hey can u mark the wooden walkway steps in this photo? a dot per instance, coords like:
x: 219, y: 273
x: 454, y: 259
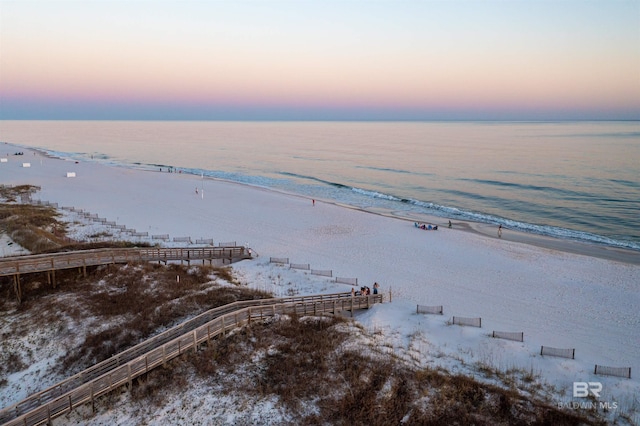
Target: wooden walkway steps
x: 49, y: 263
x: 42, y: 407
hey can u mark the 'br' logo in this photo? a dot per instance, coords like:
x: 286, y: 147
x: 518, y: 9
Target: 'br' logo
x: 582, y: 389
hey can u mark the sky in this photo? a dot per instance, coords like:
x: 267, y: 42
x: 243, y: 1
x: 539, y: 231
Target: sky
x: 312, y: 60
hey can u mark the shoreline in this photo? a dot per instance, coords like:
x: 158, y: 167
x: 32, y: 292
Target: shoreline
x: 483, y: 229
x: 486, y: 230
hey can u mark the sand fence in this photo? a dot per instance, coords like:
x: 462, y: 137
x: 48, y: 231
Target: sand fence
x: 433, y: 310
x: 467, y: 321
x: 307, y: 267
x: 563, y: 353
x: 613, y: 371
x: 132, y: 231
x: 569, y: 353
x: 515, y: 336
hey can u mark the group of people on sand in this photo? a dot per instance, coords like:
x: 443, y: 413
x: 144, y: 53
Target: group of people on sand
x: 426, y: 227
x: 365, y: 290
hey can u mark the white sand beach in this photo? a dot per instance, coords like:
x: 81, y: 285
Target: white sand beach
x: 560, y: 294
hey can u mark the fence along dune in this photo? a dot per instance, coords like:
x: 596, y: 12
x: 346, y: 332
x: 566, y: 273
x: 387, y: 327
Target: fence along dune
x: 436, y: 310
x: 613, y: 371
x: 473, y: 322
x: 343, y: 280
x: 517, y: 336
x: 303, y: 266
x: 564, y: 353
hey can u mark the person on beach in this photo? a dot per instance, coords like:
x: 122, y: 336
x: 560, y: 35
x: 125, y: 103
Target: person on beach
x: 196, y: 190
x: 313, y: 202
x: 449, y: 224
x: 375, y: 287
x: 499, y: 231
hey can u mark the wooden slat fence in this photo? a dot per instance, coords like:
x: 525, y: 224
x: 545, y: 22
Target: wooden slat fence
x: 613, y: 371
x: 41, y: 408
x: 304, y: 266
x: 517, y: 336
x: 227, y: 244
x: 473, y: 322
x: 322, y: 272
x: 564, y: 353
x: 204, y: 241
x: 438, y: 310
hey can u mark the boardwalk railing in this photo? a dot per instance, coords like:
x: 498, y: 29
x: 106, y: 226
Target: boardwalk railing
x: 119, y: 370
x: 77, y: 259
x: 17, y: 265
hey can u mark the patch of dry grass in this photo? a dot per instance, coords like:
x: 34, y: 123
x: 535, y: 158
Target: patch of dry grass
x: 299, y: 361
x: 10, y: 193
x: 121, y: 305
x: 35, y: 228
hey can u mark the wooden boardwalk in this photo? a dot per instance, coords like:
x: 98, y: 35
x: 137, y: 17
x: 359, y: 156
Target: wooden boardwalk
x: 121, y: 369
x: 50, y: 263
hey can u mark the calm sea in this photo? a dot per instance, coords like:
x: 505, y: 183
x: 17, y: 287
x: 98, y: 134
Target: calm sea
x: 575, y: 180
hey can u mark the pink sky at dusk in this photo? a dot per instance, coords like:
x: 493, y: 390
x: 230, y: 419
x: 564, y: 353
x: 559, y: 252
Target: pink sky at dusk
x: 302, y: 60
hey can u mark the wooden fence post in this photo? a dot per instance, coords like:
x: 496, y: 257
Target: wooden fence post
x: 16, y: 287
x: 93, y: 405
x: 53, y: 274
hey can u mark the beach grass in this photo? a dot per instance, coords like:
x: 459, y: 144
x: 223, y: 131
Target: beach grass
x: 305, y: 360
x: 36, y: 228
x: 126, y: 303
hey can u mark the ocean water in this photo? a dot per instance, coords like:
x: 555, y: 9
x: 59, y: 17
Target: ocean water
x: 573, y: 180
